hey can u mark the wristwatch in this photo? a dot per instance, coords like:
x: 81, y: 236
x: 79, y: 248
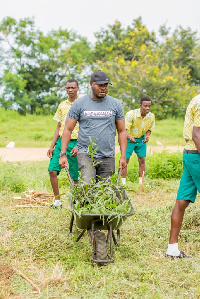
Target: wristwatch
x: 62, y: 154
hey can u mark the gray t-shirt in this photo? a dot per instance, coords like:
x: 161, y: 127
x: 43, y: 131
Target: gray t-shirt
x: 97, y: 120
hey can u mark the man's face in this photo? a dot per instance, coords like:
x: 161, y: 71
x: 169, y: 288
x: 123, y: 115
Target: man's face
x: 71, y: 89
x: 99, y: 90
x: 145, y: 107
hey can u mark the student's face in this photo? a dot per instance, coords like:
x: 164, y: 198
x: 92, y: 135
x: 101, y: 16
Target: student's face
x: 99, y: 90
x: 71, y: 89
x: 145, y: 107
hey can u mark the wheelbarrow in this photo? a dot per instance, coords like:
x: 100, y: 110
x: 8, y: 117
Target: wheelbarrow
x: 95, y: 225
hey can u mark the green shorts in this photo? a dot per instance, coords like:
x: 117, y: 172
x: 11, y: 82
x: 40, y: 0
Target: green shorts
x: 72, y: 161
x: 190, y: 179
x: 138, y: 147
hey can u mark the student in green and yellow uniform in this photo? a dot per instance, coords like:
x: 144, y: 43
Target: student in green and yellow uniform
x: 139, y: 125
x: 55, y: 148
x: 190, y: 179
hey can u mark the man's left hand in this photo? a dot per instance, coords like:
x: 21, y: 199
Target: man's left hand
x: 122, y: 163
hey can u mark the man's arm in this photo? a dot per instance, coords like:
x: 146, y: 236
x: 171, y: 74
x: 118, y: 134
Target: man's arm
x: 196, y: 137
x: 66, y: 136
x: 55, y: 138
x: 122, y: 139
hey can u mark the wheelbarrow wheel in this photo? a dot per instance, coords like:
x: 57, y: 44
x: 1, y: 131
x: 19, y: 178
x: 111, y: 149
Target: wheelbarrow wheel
x: 100, y: 246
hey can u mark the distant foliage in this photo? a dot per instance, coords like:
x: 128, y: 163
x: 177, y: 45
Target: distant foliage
x: 35, y: 66
x: 139, y: 64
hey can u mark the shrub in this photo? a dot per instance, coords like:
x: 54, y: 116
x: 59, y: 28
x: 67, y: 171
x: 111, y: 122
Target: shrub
x: 159, y: 165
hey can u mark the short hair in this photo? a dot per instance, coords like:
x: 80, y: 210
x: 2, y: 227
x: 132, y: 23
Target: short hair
x: 71, y: 81
x: 145, y: 99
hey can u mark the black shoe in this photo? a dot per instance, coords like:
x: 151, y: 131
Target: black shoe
x: 181, y: 255
x: 55, y: 207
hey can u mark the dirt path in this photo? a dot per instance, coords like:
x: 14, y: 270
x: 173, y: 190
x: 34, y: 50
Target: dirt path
x: 40, y: 154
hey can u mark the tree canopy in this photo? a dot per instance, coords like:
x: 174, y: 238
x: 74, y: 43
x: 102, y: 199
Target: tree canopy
x: 35, y: 66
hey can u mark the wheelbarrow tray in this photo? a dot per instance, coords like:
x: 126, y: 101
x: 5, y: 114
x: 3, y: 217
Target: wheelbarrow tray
x: 101, y: 221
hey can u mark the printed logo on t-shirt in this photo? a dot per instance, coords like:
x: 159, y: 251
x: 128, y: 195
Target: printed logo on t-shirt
x: 98, y: 113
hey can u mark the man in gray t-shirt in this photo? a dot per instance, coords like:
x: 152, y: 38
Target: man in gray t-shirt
x: 99, y: 115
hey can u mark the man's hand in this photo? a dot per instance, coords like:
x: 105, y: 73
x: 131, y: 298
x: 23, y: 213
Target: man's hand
x: 122, y: 162
x: 132, y: 139
x: 63, y: 161
x: 74, y: 152
x: 49, y: 152
x: 146, y: 139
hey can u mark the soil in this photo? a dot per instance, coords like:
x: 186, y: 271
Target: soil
x: 40, y: 154
x: 5, y: 272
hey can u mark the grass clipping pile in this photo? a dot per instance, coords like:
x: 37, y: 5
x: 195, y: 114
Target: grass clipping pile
x: 100, y: 198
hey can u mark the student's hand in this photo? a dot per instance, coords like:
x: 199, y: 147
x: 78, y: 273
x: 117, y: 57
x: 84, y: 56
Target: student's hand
x: 146, y: 139
x: 63, y: 161
x: 132, y: 139
x: 49, y: 152
x: 74, y: 152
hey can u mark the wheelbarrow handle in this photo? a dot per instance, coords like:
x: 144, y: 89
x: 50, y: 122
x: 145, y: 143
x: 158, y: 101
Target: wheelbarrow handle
x: 69, y: 176
x: 119, y: 174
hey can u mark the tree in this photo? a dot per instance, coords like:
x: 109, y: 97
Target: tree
x: 41, y: 62
x: 139, y: 64
x: 119, y: 41
x: 150, y: 75
x: 182, y: 48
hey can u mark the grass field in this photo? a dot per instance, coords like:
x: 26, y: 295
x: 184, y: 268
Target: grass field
x: 37, y: 242
x: 37, y: 130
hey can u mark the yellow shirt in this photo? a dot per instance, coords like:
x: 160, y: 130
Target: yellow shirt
x: 192, y: 119
x: 60, y: 116
x: 136, y: 125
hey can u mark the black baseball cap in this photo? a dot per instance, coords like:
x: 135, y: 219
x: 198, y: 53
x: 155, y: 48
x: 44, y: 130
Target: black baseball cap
x: 99, y: 77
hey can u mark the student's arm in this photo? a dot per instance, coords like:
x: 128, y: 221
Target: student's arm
x: 146, y: 139
x: 131, y: 138
x: 151, y: 128
x: 55, y: 138
x: 128, y: 123
x: 196, y: 137
x: 66, y: 136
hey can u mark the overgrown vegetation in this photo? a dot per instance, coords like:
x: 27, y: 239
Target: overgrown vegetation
x: 37, y: 242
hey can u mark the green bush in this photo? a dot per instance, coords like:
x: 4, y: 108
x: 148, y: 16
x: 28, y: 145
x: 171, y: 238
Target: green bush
x: 159, y: 165
x: 165, y: 165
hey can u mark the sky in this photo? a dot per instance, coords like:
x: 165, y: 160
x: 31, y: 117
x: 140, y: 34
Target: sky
x: 89, y: 16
